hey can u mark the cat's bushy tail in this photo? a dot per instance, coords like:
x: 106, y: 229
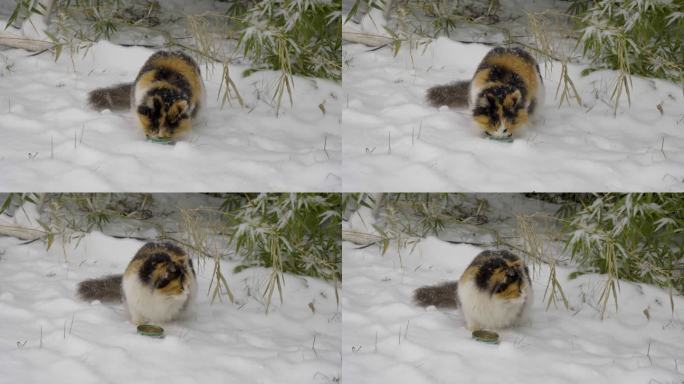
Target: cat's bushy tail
x: 117, y: 97
x: 107, y: 288
x: 441, y: 296
x: 453, y: 95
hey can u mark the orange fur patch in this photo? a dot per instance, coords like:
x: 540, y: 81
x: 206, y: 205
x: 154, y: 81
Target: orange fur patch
x: 480, y: 78
x: 527, y: 71
x: 160, y: 271
x: 184, y: 68
x: 173, y: 113
x: 173, y: 288
x: 499, y: 275
x: 511, y: 292
x: 521, y: 118
x: 470, y: 272
x: 512, y: 99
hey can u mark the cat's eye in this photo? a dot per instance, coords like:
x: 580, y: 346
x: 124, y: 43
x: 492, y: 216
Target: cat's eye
x: 513, y: 273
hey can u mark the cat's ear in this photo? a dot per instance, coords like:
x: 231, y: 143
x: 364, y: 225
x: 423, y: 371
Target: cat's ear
x: 512, y: 99
x: 516, y: 97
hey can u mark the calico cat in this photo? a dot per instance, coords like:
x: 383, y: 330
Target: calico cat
x: 165, y: 97
x: 503, y: 95
x: 157, y: 286
x: 494, y: 292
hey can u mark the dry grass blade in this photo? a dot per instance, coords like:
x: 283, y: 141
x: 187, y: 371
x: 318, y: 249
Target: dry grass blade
x: 567, y: 86
x: 611, y: 285
x: 535, y: 245
x: 194, y: 226
x: 275, y: 280
x: 231, y: 90
x: 548, y: 30
x: 285, y: 79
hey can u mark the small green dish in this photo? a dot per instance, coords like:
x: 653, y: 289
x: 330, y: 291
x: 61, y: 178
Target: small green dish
x: 160, y: 140
x: 151, y: 330
x: 486, y: 336
x: 508, y: 139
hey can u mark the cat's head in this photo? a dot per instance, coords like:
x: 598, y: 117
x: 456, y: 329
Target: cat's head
x: 502, y: 274
x: 166, y: 268
x: 164, y: 114
x: 510, y: 282
x: 499, y: 111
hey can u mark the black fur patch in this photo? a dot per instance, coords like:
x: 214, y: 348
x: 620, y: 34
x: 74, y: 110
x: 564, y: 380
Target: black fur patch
x: 177, y: 54
x: 505, y: 76
x: 173, y: 124
x: 512, y: 113
x: 512, y: 276
x: 496, y: 95
x: 500, y: 259
x: 171, y: 247
x: 151, y: 263
x: 174, y: 272
x: 168, y: 96
x: 148, y: 66
x: 486, y: 271
x: 489, y: 111
x: 174, y: 78
x: 512, y: 51
x: 502, y: 253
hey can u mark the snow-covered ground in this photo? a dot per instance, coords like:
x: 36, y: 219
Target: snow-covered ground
x: 387, y: 339
x: 49, y: 335
x: 50, y: 140
x: 393, y: 140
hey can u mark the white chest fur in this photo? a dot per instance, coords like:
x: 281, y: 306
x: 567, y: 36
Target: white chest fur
x: 147, y: 305
x: 483, y: 311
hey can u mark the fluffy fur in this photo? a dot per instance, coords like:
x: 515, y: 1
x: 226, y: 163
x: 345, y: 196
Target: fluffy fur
x: 503, y: 95
x: 441, y: 296
x: 494, y: 292
x: 157, y: 286
x: 165, y: 97
x: 117, y: 97
x: 106, y: 288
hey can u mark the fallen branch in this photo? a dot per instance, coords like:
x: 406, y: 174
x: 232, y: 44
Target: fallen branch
x: 364, y: 38
x: 16, y: 41
x: 360, y: 238
x: 22, y: 233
